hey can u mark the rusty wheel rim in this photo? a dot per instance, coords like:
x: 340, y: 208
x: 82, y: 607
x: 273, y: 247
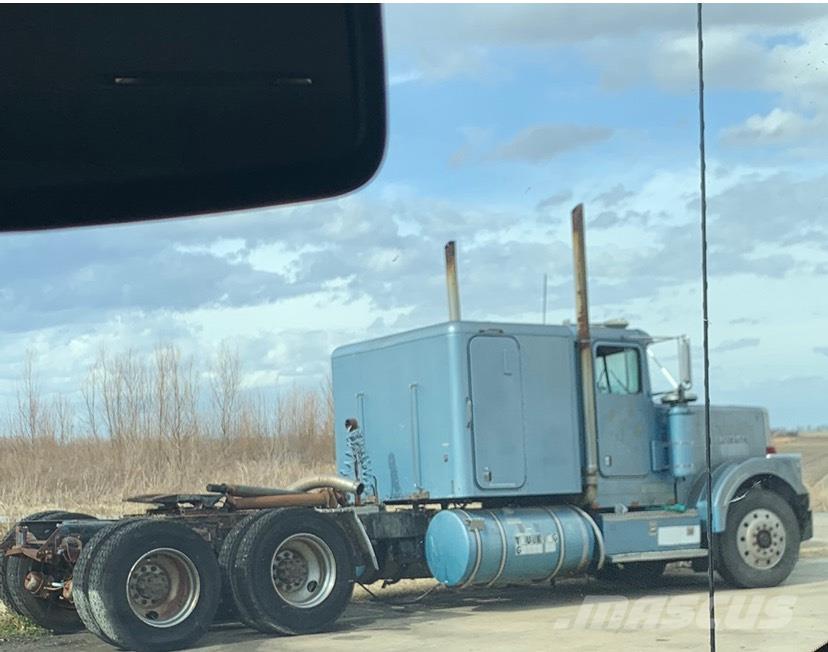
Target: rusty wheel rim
x: 163, y: 587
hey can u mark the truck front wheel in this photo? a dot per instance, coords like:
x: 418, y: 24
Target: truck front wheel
x: 760, y: 544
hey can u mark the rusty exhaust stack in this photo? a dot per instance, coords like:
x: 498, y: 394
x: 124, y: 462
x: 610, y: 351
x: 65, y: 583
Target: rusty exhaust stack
x: 451, y: 281
x: 324, y: 498
x: 585, y: 353
x: 247, y: 491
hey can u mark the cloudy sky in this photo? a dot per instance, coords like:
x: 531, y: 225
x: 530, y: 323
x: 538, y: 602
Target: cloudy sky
x: 501, y: 119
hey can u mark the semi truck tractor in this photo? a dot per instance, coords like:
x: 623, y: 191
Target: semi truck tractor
x: 475, y: 453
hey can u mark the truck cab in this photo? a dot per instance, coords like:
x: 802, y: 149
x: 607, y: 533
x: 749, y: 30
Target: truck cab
x: 494, y: 414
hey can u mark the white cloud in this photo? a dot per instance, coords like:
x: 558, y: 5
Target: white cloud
x: 553, y: 200
x: 397, y: 78
x: 372, y: 277
x: 543, y: 142
x: 614, y: 196
x: 735, y: 345
x: 628, y: 40
x: 777, y: 127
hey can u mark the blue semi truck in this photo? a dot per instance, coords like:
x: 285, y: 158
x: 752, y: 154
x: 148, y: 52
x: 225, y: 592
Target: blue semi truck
x: 476, y: 453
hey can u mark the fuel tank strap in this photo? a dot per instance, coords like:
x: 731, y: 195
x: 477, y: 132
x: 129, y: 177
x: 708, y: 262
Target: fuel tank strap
x: 479, y: 552
x: 599, y: 537
x: 585, y: 548
x: 562, y: 541
x: 503, y: 553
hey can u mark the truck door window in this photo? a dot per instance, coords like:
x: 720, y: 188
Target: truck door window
x: 617, y: 370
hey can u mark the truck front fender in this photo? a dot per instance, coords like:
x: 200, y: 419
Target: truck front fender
x: 729, y: 477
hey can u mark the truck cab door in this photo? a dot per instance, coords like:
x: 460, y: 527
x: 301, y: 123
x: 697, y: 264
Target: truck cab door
x: 625, y: 415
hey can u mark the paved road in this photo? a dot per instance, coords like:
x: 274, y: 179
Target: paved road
x: 669, y: 616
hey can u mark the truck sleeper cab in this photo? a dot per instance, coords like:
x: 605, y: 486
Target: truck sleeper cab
x: 491, y: 415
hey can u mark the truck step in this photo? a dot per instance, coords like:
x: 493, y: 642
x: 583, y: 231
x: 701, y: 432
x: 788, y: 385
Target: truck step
x: 658, y: 555
x: 651, y: 514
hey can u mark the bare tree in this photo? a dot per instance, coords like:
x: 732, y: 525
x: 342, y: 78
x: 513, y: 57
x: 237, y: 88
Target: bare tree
x: 175, y: 402
x: 62, y: 419
x: 124, y: 387
x: 225, y: 384
x: 30, y: 412
x: 90, y: 395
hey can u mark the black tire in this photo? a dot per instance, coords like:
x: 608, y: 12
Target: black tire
x: 130, y: 579
x: 230, y: 602
x: 639, y: 573
x: 5, y: 598
x: 53, y: 613
x: 311, y: 605
x: 80, y: 578
x: 760, y: 544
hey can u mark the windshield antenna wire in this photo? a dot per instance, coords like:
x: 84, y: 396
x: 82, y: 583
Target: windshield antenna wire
x: 706, y: 343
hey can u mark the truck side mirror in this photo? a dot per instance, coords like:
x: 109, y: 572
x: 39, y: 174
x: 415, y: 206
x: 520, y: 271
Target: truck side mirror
x: 685, y: 366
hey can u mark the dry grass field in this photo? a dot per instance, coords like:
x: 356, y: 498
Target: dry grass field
x: 93, y: 476
x: 152, y: 425
x: 813, y: 446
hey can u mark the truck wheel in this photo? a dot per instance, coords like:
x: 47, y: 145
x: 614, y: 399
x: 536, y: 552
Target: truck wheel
x: 80, y: 578
x: 154, y: 584
x: 639, y: 573
x: 293, y: 568
x: 52, y: 613
x: 760, y: 544
x: 230, y: 602
x: 5, y: 598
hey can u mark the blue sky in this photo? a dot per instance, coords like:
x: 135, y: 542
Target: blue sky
x: 501, y: 119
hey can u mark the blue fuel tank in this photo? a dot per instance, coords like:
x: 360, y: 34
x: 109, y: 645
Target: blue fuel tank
x: 466, y: 547
x: 681, y: 423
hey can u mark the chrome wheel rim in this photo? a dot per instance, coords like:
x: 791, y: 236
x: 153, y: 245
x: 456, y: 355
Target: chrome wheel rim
x: 163, y: 587
x: 760, y: 539
x: 303, y: 570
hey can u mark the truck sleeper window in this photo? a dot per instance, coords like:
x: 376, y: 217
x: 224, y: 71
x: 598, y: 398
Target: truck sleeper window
x: 617, y: 370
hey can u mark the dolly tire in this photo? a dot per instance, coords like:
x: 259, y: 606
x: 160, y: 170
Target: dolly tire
x: 52, y: 613
x: 5, y: 597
